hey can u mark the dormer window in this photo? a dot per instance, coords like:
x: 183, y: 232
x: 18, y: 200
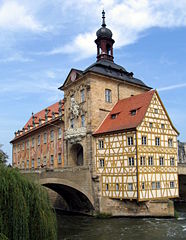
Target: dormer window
x: 40, y: 122
x: 133, y: 112
x: 114, y: 115
x: 53, y: 115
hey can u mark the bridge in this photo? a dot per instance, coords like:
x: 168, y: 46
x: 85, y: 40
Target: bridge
x: 73, y: 184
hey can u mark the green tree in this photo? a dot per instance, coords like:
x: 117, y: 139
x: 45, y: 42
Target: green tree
x: 3, y: 156
x: 25, y: 210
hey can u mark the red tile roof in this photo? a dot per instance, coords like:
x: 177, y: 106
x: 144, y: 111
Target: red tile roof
x: 122, y: 112
x: 53, y: 108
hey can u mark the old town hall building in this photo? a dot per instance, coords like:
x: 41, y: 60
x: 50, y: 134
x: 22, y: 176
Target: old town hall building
x: 110, y: 121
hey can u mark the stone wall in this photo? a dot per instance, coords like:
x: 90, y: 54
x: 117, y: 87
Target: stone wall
x: 181, y: 152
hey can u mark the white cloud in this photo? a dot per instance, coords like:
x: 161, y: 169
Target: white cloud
x: 172, y: 87
x: 127, y: 19
x: 16, y: 57
x: 14, y: 16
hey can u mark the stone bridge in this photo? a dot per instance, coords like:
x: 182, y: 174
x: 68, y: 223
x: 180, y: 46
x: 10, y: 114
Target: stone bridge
x: 73, y: 184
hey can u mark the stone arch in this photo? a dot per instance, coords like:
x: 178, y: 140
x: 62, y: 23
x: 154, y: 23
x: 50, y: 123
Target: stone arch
x: 77, y: 198
x: 77, y: 154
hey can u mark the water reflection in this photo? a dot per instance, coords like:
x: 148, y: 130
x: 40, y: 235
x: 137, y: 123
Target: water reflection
x: 89, y: 228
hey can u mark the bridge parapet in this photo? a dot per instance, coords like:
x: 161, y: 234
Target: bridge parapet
x: 78, y: 178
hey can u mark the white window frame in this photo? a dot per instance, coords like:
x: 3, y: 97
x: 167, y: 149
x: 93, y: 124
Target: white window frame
x: 130, y: 187
x: 131, y: 161
x: 130, y: 141
x: 108, y: 95
x: 101, y: 162
x: 144, y: 140
x: 82, y: 95
x: 161, y: 161
x: 172, y: 161
x: 101, y: 144
x: 150, y: 161
x: 157, y: 141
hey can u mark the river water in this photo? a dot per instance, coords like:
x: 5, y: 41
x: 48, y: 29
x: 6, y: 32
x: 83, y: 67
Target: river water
x: 89, y: 228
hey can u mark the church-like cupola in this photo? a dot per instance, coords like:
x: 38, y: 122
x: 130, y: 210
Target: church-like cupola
x: 104, y: 42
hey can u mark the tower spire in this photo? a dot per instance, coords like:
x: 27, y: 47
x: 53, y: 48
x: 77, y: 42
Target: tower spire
x: 103, y: 17
x: 104, y: 42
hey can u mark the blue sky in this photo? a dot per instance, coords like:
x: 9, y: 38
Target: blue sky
x: 40, y: 41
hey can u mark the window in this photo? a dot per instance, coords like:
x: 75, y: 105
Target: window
x: 113, y: 116
x: 171, y: 184
x: 38, y: 162
x: 133, y: 112
x: 162, y: 126
x: 52, y: 135
x: 117, y: 186
x: 23, y: 146
x: 108, y: 97
x: 101, y: 163
x: 23, y: 164
x: 32, y: 163
x: 143, y: 186
x: 156, y: 110
x: 52, y: 160
x: 161, y: 161
x: 38, y: 140
x: 45, y: 138
x: 72, y: 123
x: 83, y: 120
x: 82, y: 95
x: 130, y: 186
x: 144, y: 140
x: 44, y: 161
x: 150, y: 125
x: 101, y: 144
x: 142, y: 161
x: 153, y: 185
x: 151, y: 161
x: 27, y: 163
x: 131, y: 161
x: 32, y: 142
x: 130, y: 141
x: 157, y: 141
x: 170, y: 142
x: 59, y: 158
x: 59, y: 133
x: 27, y: 144
x: 107, y: 187
x: 172, y: 162
x: 158, y: 185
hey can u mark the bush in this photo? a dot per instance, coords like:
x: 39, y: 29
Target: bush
x: 25, y: 210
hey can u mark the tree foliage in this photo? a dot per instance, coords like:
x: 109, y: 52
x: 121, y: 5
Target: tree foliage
x: 3, y: 156
x: 25, y: 210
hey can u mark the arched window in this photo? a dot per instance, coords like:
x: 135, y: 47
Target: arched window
x: 108, y: 49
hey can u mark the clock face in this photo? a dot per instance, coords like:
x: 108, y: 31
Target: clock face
x: 73, y: 76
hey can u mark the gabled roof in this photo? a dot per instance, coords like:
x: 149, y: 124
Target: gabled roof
x: 121, y: 117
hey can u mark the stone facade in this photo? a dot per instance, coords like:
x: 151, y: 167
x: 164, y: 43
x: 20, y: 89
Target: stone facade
x: 181, y: 152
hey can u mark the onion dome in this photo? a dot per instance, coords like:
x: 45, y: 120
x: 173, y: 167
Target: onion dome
x: 104, y: 32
